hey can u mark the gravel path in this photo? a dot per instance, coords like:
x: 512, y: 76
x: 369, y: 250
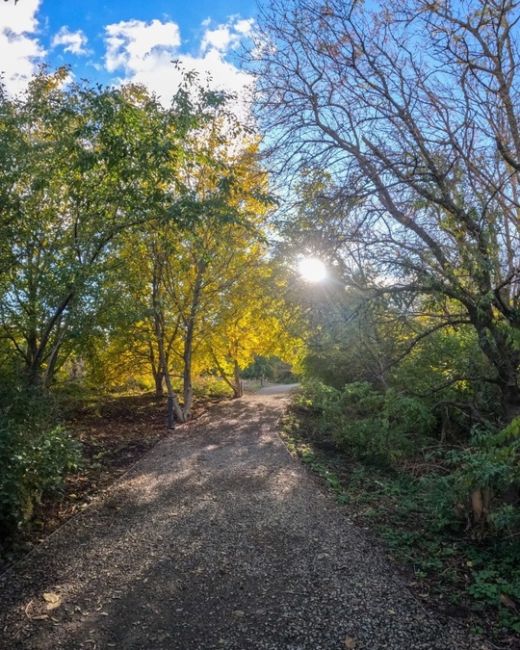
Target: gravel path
x: 218, y: 539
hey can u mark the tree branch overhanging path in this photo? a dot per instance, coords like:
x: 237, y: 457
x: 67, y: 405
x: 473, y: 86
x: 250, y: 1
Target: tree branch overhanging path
x: 411, y: 107
x: 215, y: 539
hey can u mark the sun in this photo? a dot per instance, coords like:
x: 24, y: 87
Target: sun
x: 312, y: 269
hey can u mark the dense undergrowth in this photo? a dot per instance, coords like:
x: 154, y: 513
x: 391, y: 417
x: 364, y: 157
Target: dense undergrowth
x: 36, y: 453
x: 450, y: 512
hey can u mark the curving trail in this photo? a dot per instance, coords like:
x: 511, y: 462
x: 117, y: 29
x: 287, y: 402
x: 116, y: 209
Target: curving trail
x: 216, y: 539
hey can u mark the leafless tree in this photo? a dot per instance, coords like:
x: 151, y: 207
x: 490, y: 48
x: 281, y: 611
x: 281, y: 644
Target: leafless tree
x: 413, y: 107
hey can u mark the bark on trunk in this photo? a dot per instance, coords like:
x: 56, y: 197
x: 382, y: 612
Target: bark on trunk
x: 188, y: 388
x: 159, y: 383
x: 157, y: 372
x: 174, y: 409
x: 38, y: 353
x: 238, y: 389
x: 188, y: 342
x: 480, y: 505
x: 52, y: 360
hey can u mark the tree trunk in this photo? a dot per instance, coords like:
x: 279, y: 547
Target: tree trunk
x: 52, y: 359
x: 158, y: 377
x: 33, y: 374
x: 480, y: 505
x: 238, y: 388
x: 188, y: 342
x: 186, y: 373
x: 223, y: 375
x: 188, y: 386
x: 499, y: 349
x: 38, y: 352
x: 157, y: 371
x: 174, y: 409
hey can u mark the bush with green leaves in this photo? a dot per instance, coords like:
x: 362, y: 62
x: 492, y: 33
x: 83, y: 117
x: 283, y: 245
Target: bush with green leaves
x: 486, y: 476
x: 376, y: 426
x: 35, y: 456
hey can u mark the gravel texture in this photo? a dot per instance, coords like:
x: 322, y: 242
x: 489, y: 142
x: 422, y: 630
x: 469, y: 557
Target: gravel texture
x: 216, y: 539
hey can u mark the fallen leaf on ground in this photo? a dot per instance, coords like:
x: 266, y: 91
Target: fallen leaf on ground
x: 53, y: 600
x: 350, y: 643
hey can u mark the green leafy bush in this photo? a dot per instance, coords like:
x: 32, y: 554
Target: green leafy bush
x: 35, y: 455
x: 367, y: 423
x: 486, y: 480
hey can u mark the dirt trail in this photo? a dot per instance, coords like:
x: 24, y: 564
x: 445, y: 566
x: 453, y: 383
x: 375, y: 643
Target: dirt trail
x: 216, y: 539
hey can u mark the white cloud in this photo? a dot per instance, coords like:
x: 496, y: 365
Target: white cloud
x: 134, y: 46
x: 245, y: 27
x: 73, y: 42
x: 219, y: 38
x: 19, y: 44
x: 19, y: 17
x: 144, y: 53
x: 226, y: 36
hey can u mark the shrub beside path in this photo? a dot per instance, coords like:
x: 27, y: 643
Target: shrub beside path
x: 216, y: 539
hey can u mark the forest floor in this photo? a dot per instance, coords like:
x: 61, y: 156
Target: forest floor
x: 216, y: 539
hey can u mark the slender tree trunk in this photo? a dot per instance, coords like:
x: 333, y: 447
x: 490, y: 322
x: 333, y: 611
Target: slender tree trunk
x: 52, y: 361
x: 238, y: 388
x: 187, y: 381
x: 174, y: 409
x: 37, y: 346
x: 157, y: 372
x: 159, y: 383
x: 188, y: 342
x: 223, y: 375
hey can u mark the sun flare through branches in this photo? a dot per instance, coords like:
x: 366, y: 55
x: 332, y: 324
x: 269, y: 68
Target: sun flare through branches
x: 312, y: 269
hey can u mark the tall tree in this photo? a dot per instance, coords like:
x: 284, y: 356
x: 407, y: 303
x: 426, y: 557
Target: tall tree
x: 180, y: 270
x: 412, y: 108
x: 83, y: 166
x: 228, y: 192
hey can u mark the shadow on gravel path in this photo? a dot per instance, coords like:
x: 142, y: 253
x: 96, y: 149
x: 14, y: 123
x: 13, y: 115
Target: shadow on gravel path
x: 216, y: 539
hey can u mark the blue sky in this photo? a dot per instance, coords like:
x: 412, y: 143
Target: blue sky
x: 118, y: 40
